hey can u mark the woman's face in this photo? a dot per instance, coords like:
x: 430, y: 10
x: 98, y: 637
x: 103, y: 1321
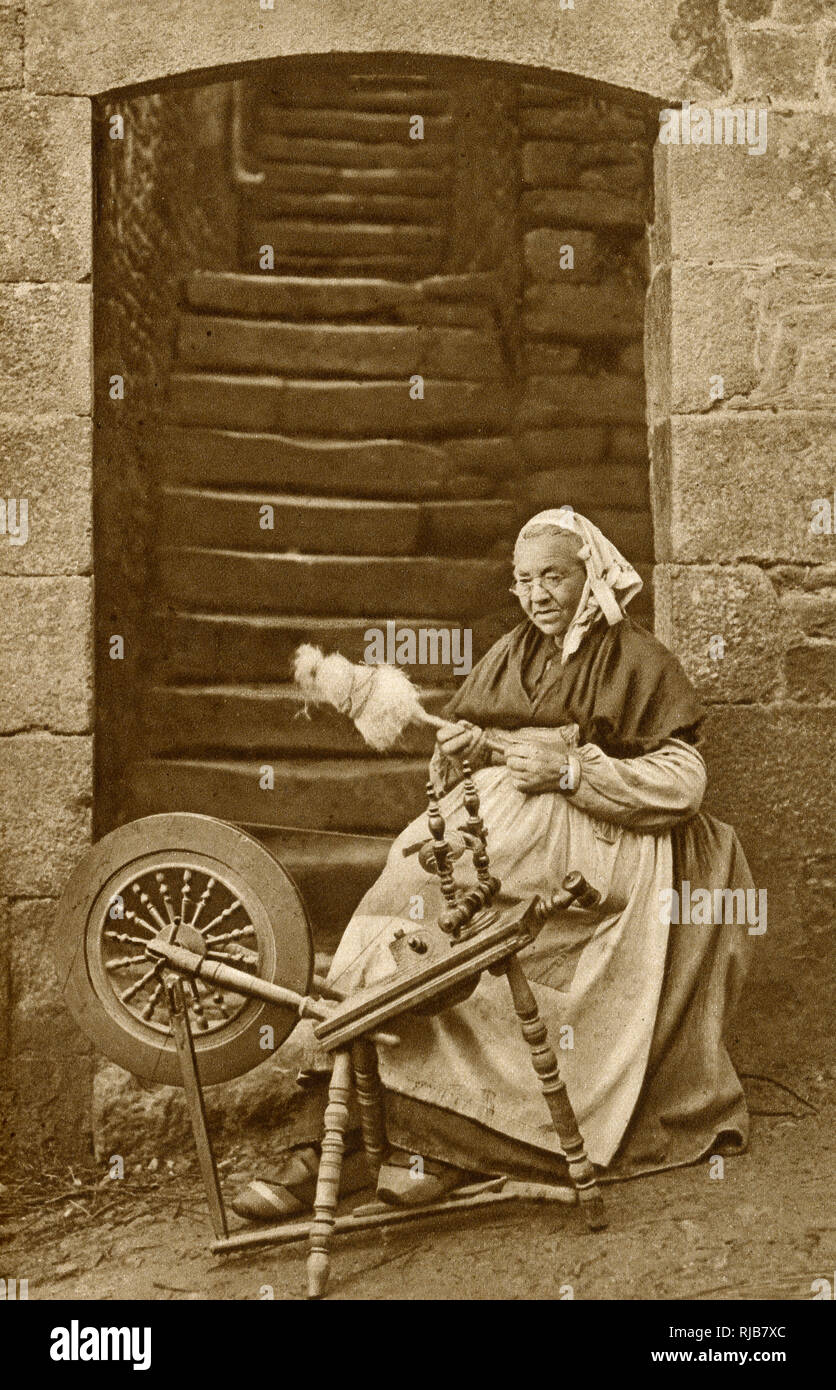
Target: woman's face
x: 549, y: 580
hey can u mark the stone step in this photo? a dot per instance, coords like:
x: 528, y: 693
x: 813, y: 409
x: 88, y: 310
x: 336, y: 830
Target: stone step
x: 262, y: 201
x: 569, y: 207
x: 331, y: 526
x: 625, y: 486
x: 390, y: 267
x: 332, y: 299
x: 294, y: 298
x: 317, y: 349
x: 570, y: 445
x: 581, y: 122
x: 374, y: 794
x: 608, y: 166
x: 348, y: 154
x: 342, y: 409
x: 296, y: 90
x: 335, y: 123
x: 334, y: 179
x: 601, y: 399
x: 546, y: 164
x: 253, y: 649
x: 377, y: 468
x: 237, y: 581
x: 612, y: 309
x: 290, y: 237
x: 268, y: 721
x: 332, y: 872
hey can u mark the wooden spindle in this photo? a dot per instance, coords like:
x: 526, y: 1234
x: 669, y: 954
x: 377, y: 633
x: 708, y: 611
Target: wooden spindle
x: 328, y: 1177
x: 370, y: 1102
x: 441, y: 848
x: 544, y: 1060
x: 475, y: 826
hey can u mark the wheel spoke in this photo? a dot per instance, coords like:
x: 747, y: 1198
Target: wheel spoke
x: 248, y: 930
x: 167, y: 903
x: 123, y: 936
x: 135, y: 988
x: 227, y: 912
x: 149, y: 906
x: 150, y: 1007
x: 202, y: 900
x: 140, y: 922
x: 122, y: 962
x: 184, y: 896
x: 154, y: 909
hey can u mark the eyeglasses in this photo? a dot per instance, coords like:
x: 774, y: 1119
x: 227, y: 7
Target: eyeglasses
x: 521, y: 588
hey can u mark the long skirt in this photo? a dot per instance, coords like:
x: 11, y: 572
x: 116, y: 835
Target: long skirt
x: 635, y: 1007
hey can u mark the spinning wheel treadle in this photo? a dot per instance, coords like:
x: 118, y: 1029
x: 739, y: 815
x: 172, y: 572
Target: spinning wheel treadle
x: 228, y: 899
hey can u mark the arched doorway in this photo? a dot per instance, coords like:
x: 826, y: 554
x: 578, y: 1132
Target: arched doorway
x: 366, y: 313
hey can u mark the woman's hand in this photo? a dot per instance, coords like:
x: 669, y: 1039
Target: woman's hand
x: 537, y: 768
x: 458, y: 740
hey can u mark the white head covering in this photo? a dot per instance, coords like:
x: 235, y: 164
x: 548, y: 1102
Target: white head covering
x: 611, y: 581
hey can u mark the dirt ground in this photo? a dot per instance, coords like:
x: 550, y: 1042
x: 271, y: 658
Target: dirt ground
x: 765, y: 1230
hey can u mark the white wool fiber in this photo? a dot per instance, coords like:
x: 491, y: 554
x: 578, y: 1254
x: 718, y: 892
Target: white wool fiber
x: 381, y: 700
x: 392, y: 703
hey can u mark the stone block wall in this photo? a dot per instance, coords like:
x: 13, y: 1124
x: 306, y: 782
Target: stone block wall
x: 740, y: 346
x: 46, y: 702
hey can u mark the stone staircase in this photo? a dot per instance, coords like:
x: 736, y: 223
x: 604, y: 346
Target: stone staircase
x: 289, y: 393
x: 293, y: 392
x: 346, y: 190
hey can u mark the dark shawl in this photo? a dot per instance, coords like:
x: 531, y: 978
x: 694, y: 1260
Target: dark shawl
x: 626, y: 692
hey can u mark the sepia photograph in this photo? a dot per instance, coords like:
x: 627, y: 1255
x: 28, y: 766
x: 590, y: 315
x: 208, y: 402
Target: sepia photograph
x: 418, y: 637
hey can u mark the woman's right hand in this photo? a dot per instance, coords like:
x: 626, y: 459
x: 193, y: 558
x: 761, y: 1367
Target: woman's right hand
x: 458, y: 740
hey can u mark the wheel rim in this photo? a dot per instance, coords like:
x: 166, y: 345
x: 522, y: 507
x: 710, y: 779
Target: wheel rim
x: 230, y: 900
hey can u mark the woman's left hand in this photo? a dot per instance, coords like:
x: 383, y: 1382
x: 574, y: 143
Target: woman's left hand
x: 535, y: 768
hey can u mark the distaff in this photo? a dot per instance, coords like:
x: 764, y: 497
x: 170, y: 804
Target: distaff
x: 381, y: 701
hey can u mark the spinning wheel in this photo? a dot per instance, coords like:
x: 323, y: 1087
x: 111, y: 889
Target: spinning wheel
x: 229, y: 900
x: 181, y: 939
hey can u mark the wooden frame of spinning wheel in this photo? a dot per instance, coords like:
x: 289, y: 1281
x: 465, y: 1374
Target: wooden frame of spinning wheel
x: 349, y: 1027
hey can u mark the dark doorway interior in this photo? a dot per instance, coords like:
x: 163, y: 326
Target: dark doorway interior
x: 277, y: 258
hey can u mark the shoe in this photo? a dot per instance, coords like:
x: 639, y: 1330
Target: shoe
x: 399, y: 1184
x: 292, y: 1192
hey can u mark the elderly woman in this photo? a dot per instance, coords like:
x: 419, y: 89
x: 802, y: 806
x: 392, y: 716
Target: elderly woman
x: 583, y: 731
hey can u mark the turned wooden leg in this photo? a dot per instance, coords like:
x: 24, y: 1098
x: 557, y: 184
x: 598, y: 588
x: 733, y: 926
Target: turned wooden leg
x: 563, y: 1116
x: 328, y: 1177
x: 370, y: 1101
